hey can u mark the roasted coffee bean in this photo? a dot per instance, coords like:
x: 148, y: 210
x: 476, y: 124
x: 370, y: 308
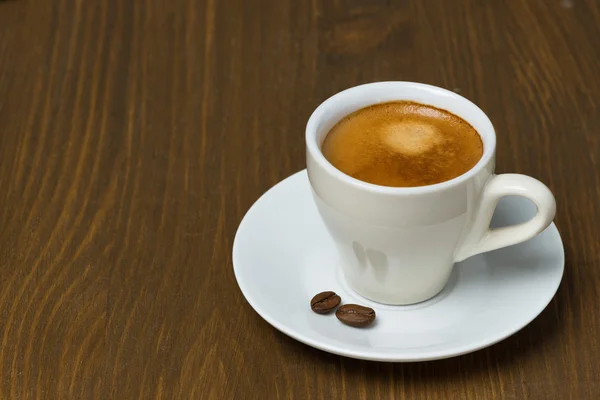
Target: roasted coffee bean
x: 325, y: 302
x: 355, y: 315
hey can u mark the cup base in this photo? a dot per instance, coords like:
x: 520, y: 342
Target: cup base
x: 394, y: 300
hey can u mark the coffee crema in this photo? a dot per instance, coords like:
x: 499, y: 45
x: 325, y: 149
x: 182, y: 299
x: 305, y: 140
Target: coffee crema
x: 403, y: 144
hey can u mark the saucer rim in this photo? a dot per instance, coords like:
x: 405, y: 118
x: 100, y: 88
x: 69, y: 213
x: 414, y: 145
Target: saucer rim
x: 393, y: 356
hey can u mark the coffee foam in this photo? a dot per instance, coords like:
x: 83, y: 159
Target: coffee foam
x: 403, y: 144
x: 411, y: 137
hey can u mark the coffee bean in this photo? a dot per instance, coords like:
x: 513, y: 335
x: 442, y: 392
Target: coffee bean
x: 355, y: 315
x: 325, y: 302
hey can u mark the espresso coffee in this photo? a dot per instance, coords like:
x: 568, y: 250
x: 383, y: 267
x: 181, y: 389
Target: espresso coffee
x: 403, y: 144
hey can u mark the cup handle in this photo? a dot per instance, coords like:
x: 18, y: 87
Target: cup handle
x: 481, y: 238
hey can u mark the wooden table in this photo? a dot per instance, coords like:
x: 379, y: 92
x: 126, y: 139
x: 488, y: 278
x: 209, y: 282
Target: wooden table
x: 134, y: 135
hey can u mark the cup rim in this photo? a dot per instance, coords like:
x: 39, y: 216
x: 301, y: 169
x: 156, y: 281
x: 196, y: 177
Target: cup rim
x: 318, y: 116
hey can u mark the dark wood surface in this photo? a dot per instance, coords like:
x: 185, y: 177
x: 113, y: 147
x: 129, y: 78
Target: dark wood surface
x: 134, y: 135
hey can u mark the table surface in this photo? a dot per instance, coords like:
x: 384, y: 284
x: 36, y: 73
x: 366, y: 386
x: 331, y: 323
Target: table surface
x: 135, y: 135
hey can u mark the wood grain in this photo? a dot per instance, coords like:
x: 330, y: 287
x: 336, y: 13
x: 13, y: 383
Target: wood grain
x: 135, y: 135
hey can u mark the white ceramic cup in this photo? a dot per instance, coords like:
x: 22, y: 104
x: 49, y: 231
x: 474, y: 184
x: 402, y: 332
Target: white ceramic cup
x: 398, y: 245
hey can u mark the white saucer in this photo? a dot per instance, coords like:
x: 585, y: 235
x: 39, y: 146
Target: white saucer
x: 283, y: 256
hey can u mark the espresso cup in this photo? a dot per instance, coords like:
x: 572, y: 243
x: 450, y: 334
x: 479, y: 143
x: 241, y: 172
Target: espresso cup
x: 398, y: 245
